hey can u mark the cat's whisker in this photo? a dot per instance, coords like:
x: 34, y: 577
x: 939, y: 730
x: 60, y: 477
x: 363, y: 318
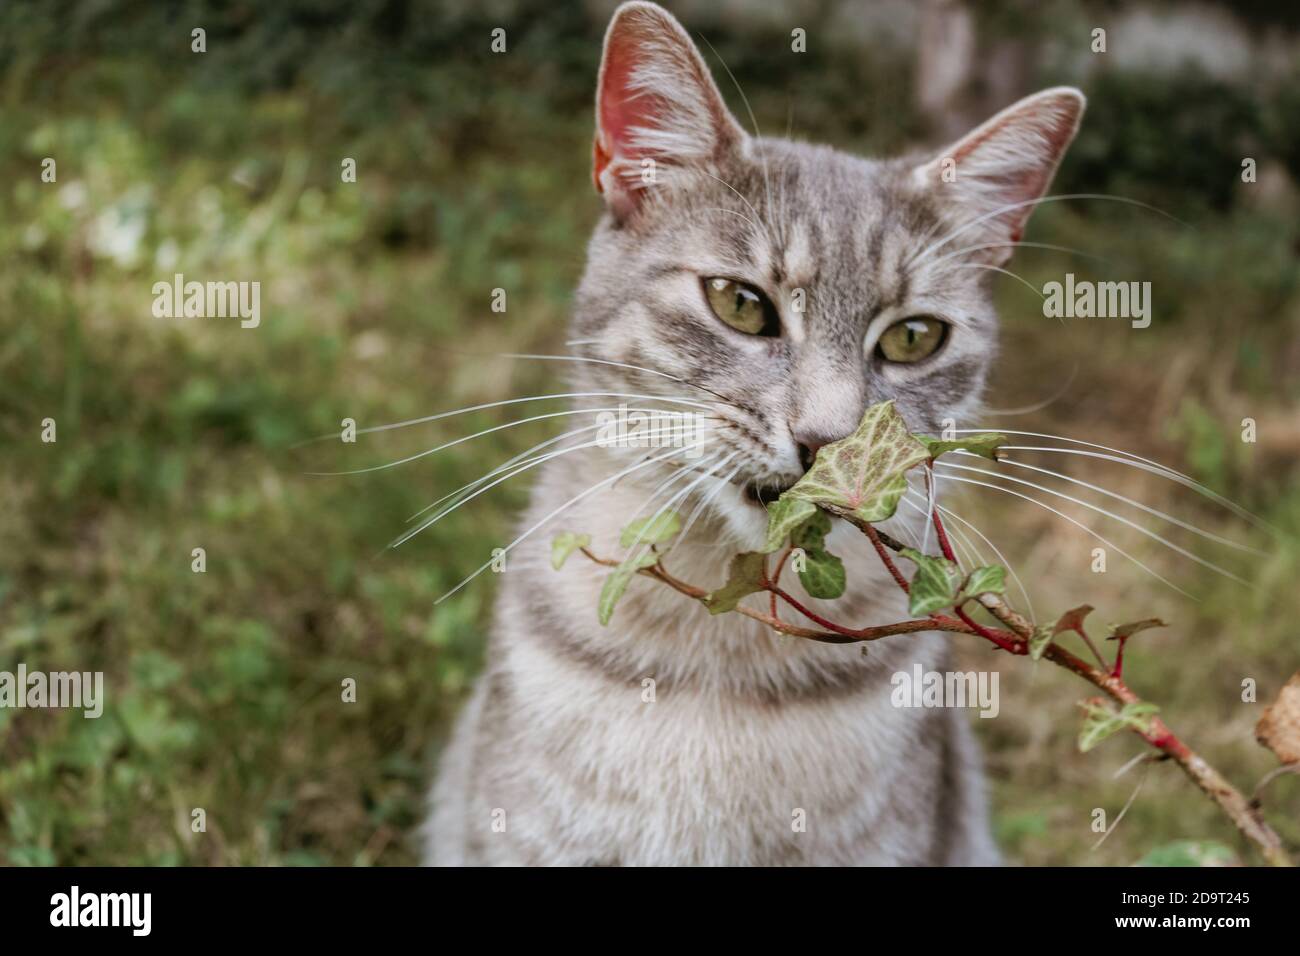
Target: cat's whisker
x: 1131, y: 460
x: 1006, y: 272
x: 767, y: 181
x: 1073, y: 521
x: 1011, y: 568
x: 997, y: 552
x: 1038, y: 406
x: 731, y: 212
x: 672, y: 501
x: 766, y: 229
x: 1019, y: 245
x: 533, y: 461
x: 604, y: 482
x: 702, y: 504
x: 540, y: 459
x: 465, y: 438
x: 1178, y: 549
x: 1227, y: 542
x: 406, y: 536
x: 705, y: 464
x: 1041, y: 200
x: 636, y: 368
x: 676, y: 400
x: 930, y: 491
x: 959, y: 539
x: 507, y: 464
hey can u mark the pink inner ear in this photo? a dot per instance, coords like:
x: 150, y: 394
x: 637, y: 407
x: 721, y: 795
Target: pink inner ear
x: 1026, y: 182
x: 620, y: 108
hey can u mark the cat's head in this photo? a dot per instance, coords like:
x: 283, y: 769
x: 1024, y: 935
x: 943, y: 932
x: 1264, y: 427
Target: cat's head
x: 799, y: 282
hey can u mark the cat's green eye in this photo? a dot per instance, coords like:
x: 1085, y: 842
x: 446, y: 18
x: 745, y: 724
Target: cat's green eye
x: 912, y: 339
x: 742, y: 307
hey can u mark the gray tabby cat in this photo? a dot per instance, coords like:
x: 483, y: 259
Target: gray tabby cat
x: 750, y: 748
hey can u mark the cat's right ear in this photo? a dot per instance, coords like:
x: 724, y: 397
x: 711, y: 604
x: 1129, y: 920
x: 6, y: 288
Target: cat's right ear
x: 657, y: 107
x: 999, y: 171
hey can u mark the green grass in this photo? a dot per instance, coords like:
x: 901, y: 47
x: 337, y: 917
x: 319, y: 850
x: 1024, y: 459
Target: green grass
x: 224, y: 688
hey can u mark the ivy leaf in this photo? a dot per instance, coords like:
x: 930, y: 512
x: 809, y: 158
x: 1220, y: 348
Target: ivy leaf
x: 745, y: 577
x: 863, y: 475
x: 564, y: 544
x: 989, y: 579
x: 784, y: 516
x: 983, y: 443
x: 1072, y: 620
x: 652, y: 530
x: 616, y: 582
x: 822, y: 575
x: 1125, y: 631
x: 1039, y: 640
x: 811, y: 535
x: 934, y: 586
x: 1100, y: 720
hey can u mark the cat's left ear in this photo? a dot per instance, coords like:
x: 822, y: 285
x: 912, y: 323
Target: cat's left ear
x: 657, y: 107
x: 1000, y: 168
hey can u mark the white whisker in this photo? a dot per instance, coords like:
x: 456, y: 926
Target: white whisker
x: 1136, y: 504
x: 506, y: 465
x: 679, y: 473
x: 702, y: 504
x: 1073, y: 521
x: 1037, y: 202
x: 673, y: 500
x: 406, y: 536
x: 766, y: 228
x: 595, y: 361
x: 1026, y: 245
x: 564, y: 507
x: 1038, y: 406
x: 767, y: 182
x: 1006, y: 272
x: 1133, y: 461
x: 510, y: 462
x: 1011, y: 568
x: 1109, y: 514
x: 964, y: 547
x: 509, y: 401
x: 465, y: 438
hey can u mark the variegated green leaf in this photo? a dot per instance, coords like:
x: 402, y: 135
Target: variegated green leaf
x: 1101, y: 720
x: 744, y: 578
x: 564, y: 544
x: 822, y: 574
x: 934, y: 585
x: 863, y: 475
x: 784, y: 516
x: 988, y: 579
x: 616, y: 583
x: 983, y: 443
x: 651, y: 530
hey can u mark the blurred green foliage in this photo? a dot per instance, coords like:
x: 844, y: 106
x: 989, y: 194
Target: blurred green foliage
x: 224, y: 687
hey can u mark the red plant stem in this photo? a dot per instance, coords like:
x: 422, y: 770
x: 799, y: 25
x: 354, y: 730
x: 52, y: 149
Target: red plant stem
x: 1118, y: 670
x: 776, y: 577
x: 944, y: 544
x: 808, y: 613
x: 1008, y: 642
x: 888, y: 562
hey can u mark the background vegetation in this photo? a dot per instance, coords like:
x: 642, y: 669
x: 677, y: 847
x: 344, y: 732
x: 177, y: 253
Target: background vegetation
x: 223, y: 687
